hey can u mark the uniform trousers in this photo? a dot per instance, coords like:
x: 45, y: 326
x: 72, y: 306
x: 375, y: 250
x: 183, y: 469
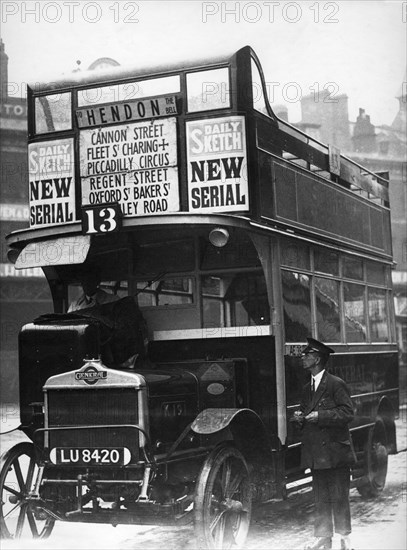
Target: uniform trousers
x: 331, y: 497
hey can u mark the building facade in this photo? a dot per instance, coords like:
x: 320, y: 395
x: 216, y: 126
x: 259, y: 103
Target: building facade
x: 24, y: 294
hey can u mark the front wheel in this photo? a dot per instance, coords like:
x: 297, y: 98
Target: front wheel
x: 375, y: 461
x: 19, y: 517
x: 222, y: 504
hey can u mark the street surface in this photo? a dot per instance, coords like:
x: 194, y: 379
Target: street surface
x: 377, y: 524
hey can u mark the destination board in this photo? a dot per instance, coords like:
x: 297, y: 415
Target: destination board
x: 134, y: 165
x: 136, y: 109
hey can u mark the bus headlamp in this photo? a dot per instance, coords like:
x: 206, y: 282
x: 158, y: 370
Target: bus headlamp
x: 219, y: 237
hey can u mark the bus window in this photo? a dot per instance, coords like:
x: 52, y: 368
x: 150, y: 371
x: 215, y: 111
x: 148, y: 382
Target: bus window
x: 326, y: 261
x: 159, y: 258
x: 295, y: 254
x: 53, y: 113
x: 117, y: 288
x: 129, y: 90
x: 207, y: 90
x: 327, y: 309
x: 378, y: 315
x: 297, y: 306
x: 238, y: 253
x: 167, y: 292
x: 234, y: 300
x: 375, y: 273
x: 355, y: 314
x: 353, y: 268
x: 259, y: 93
x: 212, y: 302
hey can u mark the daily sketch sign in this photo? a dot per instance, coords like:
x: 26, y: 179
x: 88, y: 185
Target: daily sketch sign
x: 51, y: 182
x: 217, y: 168
x: 134, y: 165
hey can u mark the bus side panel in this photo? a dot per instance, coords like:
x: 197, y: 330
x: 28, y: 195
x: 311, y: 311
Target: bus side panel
x: 373, y: 382
x: 370, y: 377
x: 259, y: 352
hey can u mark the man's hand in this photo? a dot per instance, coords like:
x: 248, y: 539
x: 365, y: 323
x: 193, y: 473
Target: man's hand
x: 298, y: 417
x: 312, y: 417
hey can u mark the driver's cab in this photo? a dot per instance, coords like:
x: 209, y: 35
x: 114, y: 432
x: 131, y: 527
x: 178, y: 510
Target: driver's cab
x: 178, y: 279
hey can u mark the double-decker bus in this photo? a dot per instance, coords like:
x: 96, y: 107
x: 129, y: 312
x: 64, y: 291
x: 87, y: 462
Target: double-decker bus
x: 225, y: 237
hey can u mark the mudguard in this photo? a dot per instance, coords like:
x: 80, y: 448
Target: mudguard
x: 210, y: 421
x: 244, y: 427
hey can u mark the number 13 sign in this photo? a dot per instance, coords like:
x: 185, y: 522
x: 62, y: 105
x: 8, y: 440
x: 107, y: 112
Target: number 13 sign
x: 101, y: 219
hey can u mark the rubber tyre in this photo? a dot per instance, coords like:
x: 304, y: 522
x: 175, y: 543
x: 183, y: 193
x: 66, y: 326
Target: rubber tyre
x: 375, y: 461
x: 18, y: 518
x: 222, y: 503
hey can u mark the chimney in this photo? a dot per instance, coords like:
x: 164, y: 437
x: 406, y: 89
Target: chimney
x: 281, y: 111
x: 3, y: 72
x: 364, y: 136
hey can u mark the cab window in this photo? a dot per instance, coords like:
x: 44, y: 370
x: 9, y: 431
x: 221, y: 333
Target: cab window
x: 53, y: 113
x: 129, y: 90
x: 207, y: 90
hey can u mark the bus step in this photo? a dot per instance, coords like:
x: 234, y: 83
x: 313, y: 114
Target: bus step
x: 359, y: 481
x: 356, y: 474
x: 299, y: 484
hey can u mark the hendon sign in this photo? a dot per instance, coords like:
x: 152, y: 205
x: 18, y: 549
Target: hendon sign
x: 217, y: 170
x: 99, y: 115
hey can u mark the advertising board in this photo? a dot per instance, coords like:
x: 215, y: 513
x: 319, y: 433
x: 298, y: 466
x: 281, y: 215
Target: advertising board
x: 217, y: 165
x: 51, y: 182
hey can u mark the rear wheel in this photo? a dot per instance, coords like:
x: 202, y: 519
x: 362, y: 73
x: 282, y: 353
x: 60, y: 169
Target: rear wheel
x: 18, y: 516
x: 375, y: 461
x: 222, y: 505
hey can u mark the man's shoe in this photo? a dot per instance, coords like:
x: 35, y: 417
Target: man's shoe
x: 345, y: 543
x: 319, y: 543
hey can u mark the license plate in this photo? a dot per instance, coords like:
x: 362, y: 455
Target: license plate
x: 80, y: 456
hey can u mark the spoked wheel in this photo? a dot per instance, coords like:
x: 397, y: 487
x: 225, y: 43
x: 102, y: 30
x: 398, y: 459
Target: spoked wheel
x: 376, y: 459
x: 222, y: 505
x: 19, y: 517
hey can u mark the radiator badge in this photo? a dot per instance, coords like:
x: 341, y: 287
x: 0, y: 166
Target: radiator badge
x: 90, y: 375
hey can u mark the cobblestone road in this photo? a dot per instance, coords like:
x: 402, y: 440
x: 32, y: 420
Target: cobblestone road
x: 377, y: 524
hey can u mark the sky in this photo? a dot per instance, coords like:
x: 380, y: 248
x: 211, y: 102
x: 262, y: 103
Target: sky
x: 357, y: 48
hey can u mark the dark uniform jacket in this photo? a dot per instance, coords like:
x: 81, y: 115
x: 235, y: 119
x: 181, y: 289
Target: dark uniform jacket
x: 327, y: 443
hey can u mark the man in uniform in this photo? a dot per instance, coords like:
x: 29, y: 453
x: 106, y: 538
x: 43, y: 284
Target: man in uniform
x: 325, y: 413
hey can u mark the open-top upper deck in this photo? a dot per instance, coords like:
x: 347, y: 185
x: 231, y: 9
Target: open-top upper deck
x: 184, y: 142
